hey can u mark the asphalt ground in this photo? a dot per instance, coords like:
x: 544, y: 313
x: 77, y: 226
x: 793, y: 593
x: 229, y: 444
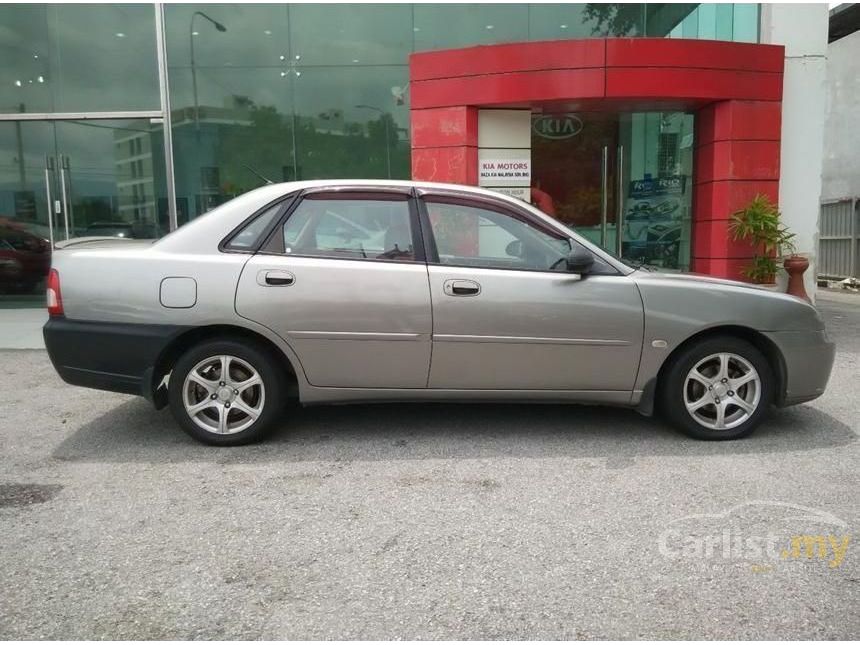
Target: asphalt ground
x: 427, y: 521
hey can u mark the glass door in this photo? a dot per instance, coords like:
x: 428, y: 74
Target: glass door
x: 65, y: 179
x: 624, y: 181
x: 26, y: 211
x: 113, y: 172
x: 655, y: 168
x: 574, y: 171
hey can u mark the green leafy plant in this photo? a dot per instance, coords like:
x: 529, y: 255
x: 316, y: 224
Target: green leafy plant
x: 759, y: 224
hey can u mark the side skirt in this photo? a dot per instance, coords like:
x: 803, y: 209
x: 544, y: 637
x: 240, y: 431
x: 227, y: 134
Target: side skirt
x: 326, y: 395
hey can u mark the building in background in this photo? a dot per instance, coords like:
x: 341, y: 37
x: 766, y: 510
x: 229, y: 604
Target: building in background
x: 287, y: 92
x: 839, y: 245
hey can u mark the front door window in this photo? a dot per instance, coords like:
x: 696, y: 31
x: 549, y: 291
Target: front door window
x: 469, y: 235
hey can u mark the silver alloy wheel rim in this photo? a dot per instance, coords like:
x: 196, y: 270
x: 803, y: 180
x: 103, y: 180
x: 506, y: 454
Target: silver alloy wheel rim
x: 722, y: 391
x: 223, y: 394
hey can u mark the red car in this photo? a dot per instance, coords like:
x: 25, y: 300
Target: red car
x: 24, y: 260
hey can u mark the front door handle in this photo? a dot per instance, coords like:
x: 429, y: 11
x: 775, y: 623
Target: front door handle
x: 275, y: 278
x: 461, y: 288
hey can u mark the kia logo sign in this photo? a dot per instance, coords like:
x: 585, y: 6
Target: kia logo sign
x: 557, y: 126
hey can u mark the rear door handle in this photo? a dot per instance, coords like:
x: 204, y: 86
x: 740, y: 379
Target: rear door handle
x: 275, y: 278
x: 461, y: 288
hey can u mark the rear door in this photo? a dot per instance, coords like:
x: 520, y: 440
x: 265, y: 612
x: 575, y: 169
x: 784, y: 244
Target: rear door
x: 506, y: 314
x: 344, y: 282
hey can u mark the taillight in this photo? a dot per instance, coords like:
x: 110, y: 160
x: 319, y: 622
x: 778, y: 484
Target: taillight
x: 55, y: 300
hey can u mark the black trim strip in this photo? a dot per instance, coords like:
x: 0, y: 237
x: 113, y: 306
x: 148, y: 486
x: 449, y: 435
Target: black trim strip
x: 275, y: 243
x: 431, y: 253
x: 449, y: 196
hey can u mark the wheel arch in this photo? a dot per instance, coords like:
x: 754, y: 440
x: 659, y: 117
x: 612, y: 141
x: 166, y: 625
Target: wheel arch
x: 757, y: 339
x: 179, y: 345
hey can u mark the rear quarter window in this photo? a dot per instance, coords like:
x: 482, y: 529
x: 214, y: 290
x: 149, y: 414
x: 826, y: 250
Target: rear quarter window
x: 247, y: 237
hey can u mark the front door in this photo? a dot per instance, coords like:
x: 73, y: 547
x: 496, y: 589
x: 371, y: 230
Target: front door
x: 507, y: 316
x: 344, y: 282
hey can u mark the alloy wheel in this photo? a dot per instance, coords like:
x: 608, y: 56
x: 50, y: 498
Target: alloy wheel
x: 223, y: 394
x: 722, y: 391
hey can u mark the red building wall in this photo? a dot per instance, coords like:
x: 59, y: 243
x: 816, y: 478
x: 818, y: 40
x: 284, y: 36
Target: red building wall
x: 734, y: 88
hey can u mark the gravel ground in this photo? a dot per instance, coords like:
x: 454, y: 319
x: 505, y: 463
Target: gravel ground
x: 423, y: 521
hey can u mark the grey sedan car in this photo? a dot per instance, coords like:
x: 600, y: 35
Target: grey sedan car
x: 353, y: 291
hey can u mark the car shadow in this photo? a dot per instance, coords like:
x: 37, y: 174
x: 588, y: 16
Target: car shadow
x: 135, y: 432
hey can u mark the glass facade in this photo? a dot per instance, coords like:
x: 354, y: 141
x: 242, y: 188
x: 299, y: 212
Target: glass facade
x: 78, y: 58
x: 280, y: 91
x: 321, y: 91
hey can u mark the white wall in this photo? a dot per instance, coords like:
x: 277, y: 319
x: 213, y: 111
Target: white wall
x: 505, y: 134
x: 842, y: 125
x: 802, y: 29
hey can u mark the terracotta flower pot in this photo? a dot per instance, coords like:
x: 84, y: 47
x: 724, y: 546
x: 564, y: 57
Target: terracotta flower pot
x: 795, y: 265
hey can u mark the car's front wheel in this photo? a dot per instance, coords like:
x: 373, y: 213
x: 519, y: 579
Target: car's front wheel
x: 226, y: 392
x: 718, y: 388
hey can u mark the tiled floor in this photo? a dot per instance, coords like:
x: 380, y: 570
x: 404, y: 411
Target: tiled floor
x: 22, y: 328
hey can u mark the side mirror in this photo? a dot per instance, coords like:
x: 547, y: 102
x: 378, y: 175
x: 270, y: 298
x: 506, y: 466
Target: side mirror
x: 514, y: 249
x: 579, y: 260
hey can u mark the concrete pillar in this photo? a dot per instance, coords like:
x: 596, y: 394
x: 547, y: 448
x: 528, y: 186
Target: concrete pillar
x: 737, y: 158
x: 802, y: 29
x: 445, y: 144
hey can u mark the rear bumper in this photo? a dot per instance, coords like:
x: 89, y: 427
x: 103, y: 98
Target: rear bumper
x: 808, y: 357
x: 118, y: 357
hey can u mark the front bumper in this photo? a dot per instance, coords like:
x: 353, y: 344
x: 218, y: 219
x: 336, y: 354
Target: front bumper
x: 808, y: 357
x: 118, y: 357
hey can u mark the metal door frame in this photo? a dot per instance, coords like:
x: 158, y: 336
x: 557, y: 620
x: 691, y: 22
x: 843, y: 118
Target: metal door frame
x: 56, y: 165
x: 604, y: 197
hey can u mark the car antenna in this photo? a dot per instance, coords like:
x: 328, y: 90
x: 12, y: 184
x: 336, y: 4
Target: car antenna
x: 261, y: 176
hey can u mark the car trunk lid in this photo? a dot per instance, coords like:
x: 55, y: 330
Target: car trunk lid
x: 101, y: 242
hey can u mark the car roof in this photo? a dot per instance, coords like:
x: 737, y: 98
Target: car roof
x: 405, y: 184
x: 205, y: 232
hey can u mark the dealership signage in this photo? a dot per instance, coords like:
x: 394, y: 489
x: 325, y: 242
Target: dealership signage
x: 520, y: 192
x: 649, y: 187
x: 557, y: 126
x: 504, y: 172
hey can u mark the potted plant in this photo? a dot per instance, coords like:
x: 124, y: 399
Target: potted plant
x: 759, y: 224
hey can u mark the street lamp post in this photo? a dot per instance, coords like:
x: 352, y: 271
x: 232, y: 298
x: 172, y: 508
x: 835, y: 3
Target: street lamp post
x: 219, y: 27
x: 383, y: 114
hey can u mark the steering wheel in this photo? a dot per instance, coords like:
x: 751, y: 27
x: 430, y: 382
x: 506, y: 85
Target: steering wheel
x: 392, y: 254
x: 556, y: 264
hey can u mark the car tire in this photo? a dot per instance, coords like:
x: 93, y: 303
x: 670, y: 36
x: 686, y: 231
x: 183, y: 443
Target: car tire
x: 717, y: 388
x: 241, y: 408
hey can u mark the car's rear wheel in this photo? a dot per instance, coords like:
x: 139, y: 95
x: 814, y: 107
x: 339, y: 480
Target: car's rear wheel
x: 226, y: 392
x: 718, y: 388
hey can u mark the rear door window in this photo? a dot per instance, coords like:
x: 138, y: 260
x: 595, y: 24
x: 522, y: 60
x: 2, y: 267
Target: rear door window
x: 371, y: 227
